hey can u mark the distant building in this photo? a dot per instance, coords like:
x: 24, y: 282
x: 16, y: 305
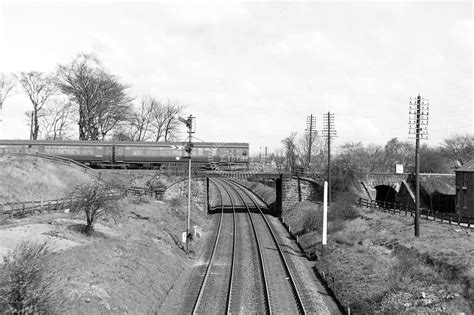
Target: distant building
x: 465, y: 189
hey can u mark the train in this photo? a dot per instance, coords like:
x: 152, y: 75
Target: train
x: 136, y: 155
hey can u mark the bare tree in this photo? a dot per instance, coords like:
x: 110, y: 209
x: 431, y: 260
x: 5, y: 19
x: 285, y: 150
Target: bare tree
x: 140, y: 128
x: 39, y: 87
x: 95, y: 199
x: 289, y: 144
x: 7, y: 84
x: 165, y: 125
x: 458, y: 149
x: 101, y: 100
x: 399, y: 152
x: 57, y: 120
x: 172, y: 125
x: 317, y: 150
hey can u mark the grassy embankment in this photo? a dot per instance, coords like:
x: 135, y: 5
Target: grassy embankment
x: 127, y: 265
x: 26, y: 178
x: 379, y: 266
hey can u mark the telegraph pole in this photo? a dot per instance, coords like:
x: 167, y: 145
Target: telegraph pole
x: 328, y: 132
x: 310, y: 129
x: 418, y: 130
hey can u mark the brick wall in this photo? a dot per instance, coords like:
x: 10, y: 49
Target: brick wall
x: 295, y: 190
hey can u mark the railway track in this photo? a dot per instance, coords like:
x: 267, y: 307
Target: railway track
x: 247, y: 270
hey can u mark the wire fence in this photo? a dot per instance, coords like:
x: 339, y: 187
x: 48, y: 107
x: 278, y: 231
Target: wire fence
x: 428, y: 214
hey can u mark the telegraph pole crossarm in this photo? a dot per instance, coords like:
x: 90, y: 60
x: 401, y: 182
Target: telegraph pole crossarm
x: 329, y: 132
x: 310, y: 129
x: 418, y: 130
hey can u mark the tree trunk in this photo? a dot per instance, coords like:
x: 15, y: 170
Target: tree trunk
x: 35, y: 124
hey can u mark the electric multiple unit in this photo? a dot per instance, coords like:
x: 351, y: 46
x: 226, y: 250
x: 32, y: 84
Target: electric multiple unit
x: 134, y: 154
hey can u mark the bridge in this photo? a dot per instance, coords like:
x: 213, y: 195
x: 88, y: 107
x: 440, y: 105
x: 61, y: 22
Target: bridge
x: 289, y: 188
x: 389, y: 187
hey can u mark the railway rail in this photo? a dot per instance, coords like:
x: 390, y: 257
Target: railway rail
x: 247, y: 261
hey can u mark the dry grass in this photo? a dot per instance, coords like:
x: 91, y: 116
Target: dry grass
x: 380, y: 267
x: 27, y: 178
x: 132, y: 267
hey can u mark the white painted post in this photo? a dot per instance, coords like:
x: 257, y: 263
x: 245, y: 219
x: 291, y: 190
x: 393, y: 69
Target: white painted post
x: 325, y: 215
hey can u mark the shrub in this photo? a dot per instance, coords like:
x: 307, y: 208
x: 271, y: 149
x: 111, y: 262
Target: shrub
x: 343, y: 210
x: 25, y: 285
x: 335, y: 225
x: 95, y: 200
x: 175, y: 202
x: 138, y: 199
x: 404, y: 269
x: 313, y: 221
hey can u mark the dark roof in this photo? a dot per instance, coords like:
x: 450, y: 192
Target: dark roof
x: 467, y: 167
x: 444, y: 185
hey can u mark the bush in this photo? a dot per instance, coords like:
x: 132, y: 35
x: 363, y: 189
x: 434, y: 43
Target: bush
x: 342, y: 210
x: 335, y: 225
x: 25, y: 285
x: 313, y: 221
x: 138, y: 199
x: 404, y: 269
x: 176, y: 202
x: 96, y: 200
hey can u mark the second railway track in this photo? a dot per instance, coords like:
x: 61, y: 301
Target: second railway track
x: 247, y: 271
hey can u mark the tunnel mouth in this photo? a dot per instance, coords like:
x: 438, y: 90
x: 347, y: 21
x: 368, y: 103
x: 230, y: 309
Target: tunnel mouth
x: 385, y: 194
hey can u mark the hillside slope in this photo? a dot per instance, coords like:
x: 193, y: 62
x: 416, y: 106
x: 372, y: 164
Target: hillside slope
x: 25, y: 178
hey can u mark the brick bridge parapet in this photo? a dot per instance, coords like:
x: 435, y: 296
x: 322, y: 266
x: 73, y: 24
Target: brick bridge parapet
x: 291, y: 189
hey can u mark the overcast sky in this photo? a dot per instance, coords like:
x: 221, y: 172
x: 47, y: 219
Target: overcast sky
x: 252, y: 71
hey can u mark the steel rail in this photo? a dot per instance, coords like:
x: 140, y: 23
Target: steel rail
x: 211, y: 260
x: 296, y: 293
x: 234, y: 246
x: 260, y: 254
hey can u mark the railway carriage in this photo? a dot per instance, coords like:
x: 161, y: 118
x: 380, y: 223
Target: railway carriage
x: 129, y: 154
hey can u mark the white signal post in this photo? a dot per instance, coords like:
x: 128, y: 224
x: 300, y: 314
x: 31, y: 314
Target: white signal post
x: 325, y: 216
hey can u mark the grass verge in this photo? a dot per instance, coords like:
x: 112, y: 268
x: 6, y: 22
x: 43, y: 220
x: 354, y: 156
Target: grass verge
x: 378, y: 266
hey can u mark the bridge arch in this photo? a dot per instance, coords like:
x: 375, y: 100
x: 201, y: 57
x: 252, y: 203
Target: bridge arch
x: 385, y: 193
